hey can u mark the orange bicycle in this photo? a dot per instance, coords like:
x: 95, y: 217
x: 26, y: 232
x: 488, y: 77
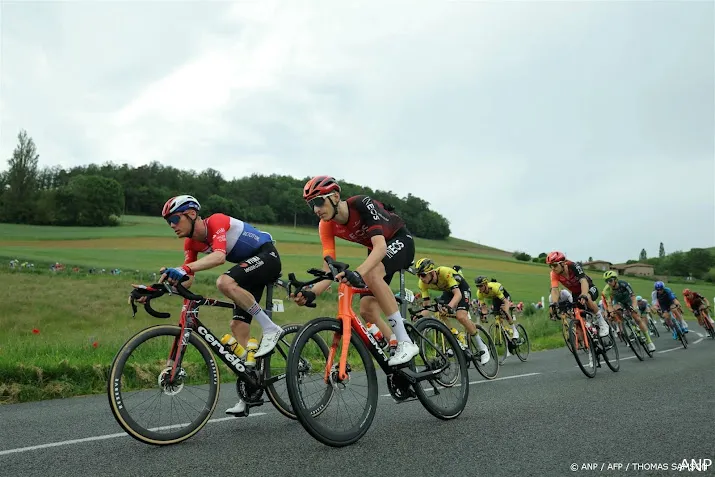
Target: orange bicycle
x: 437, y: 376
x: 586, y: 343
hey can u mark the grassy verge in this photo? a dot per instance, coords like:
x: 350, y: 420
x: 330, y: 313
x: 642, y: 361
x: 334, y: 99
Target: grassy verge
x: 61, y: 332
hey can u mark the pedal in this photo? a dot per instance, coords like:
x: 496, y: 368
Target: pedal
x: 254, y: 404
x: 409, y: 399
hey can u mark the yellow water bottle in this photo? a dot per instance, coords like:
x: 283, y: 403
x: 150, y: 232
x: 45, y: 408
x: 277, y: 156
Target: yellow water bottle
x: 252, y: 347
x: 230, y: 342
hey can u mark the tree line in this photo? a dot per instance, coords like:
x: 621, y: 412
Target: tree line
x: 96, y: 195
x: 696, y: 262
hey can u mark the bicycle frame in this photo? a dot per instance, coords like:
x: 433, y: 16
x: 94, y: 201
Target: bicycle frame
x: 350, y: 322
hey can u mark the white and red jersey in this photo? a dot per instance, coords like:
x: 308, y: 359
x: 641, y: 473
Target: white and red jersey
x: 237, y: 239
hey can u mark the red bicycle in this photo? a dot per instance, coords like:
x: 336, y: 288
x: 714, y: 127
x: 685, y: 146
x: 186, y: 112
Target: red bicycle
x: 437, y: 376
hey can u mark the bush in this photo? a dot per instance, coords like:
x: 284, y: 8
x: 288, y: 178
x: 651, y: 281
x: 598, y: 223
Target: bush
x: 524, y: 257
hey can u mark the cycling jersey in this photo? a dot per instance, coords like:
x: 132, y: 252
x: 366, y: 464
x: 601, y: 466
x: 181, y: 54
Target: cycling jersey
x: 666, y: 299
x: 447, y: 279
x: 643, y: 305
x: 622, y: 294
x: 697, y: 301
x: 564, y: 296
x: 495, y: 291
x: 367, y: 218
x: 237, y: 239
x: 573, y: 281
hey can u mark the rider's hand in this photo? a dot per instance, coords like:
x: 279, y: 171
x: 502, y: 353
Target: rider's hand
x: 352, y: 277
x: 174, y: 275
x: 303, y: 297
x: 448, y: 310
x: 583, y: 299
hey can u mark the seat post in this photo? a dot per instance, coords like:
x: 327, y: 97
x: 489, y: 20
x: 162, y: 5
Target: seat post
x: 403, y: 303
x: 269, y: 301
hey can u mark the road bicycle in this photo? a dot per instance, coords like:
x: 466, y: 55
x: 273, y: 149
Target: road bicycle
x: 673, y: 324
x: 437, y: 376
x: 469, y: 344
x: 632, y: 333
x: 503, y: 340
x: 164, y: 381
x: 704, y: 314
x: 586, y: 345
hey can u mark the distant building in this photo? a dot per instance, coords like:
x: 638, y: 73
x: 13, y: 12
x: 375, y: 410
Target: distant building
x: 637, y: 269
x: 598, y: 265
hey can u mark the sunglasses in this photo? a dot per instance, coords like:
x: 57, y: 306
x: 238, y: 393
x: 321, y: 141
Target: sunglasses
x: 174, y: 219
x: 318, y: 201
x: 554, y: 265
x: 422, y: 275
x: 610, y: 280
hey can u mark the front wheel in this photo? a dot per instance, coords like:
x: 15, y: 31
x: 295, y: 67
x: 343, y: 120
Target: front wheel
x: 522, y: 345
x: 440, y: 349
x: 632, y: 339
x: 346, y: 416
x: 609, y: 351
x: 490, y: 369
x: 653, y: 329
x: 149, y: 405
x: 583, y: 348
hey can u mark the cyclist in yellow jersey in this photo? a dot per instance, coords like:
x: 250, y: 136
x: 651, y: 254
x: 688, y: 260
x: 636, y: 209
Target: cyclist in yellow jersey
x: 455, y: 293
x: 500, y: 299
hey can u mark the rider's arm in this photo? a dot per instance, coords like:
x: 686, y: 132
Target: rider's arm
x: 195, y: 264
x: 456, y: 297
x: 327, y: 239
x: 554, y: 287
x: 379, y: 250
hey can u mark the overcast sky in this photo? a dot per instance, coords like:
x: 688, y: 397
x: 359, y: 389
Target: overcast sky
x: 587, y: 127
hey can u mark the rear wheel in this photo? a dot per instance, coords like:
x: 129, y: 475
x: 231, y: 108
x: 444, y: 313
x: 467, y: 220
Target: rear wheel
x: 522, y: 346
x: 610, y: 352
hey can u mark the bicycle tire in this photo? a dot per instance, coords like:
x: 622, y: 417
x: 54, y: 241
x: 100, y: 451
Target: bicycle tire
x: 632, y: 339
x: 499, y: 340
x: 118, y: 406
x: 307, y: 417
x: 644, y: 343
x: 565, y: 334
x: 283, y: 348
x: 605, y: 352
x: 591, y: 350
x: 463, y: 387
x: 709, y: 326
x: 492, y: 349
x: 653, y: 328
x: 523, y: 349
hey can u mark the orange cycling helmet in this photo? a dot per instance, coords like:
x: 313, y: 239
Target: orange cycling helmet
x: 320, y: 185
x: 555, y: 257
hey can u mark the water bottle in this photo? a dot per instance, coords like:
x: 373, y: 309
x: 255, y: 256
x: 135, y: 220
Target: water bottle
x: 234, y: 346
x: 252, y: 347
x: 377, y: 334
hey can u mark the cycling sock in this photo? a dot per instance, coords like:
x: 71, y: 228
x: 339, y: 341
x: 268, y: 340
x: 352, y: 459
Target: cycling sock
x: 257, y: 312
x: 480, y: 343
x: 398, y: 326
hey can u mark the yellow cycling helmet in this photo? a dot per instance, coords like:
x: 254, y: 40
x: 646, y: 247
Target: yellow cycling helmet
x: 425, y: 265
x: 610, y: 274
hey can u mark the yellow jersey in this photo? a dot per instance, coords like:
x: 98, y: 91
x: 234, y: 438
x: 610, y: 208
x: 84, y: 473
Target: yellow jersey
x: 447, y: 279
x: 494, y: 290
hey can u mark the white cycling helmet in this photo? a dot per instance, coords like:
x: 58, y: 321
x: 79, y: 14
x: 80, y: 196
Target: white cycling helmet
x: 180, y: 203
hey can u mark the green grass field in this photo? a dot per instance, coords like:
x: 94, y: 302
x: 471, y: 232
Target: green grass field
x: 81, y: 320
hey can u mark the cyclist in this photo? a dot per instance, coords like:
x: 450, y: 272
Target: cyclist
x: 656, y: 307
x: 501, y: 300
x: 645, y: 309
x: 455, y: 293
x: 565, y: 296
x: 619, y: 295
x: 226, y: 239
x: 391, y: 248
x: 697, y: 303
x: 669, y: 306
x: 572, y: 277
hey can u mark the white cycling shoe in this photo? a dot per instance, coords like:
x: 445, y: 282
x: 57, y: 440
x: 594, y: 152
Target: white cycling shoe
x: 404, y: 352
x: 239, y: 410
x: 269, y: 341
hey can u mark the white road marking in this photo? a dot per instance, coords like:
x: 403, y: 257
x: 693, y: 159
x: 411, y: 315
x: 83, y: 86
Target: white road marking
x: 106, y: 436
x: 487, y: 380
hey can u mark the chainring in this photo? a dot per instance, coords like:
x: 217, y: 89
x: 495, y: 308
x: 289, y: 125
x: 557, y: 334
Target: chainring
x: 400, y: 388
x: 247, y: 392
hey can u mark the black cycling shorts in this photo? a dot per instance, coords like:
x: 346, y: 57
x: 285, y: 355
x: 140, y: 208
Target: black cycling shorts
x: 400, y: 254
x: 254, y: 273
x: 466, y: 296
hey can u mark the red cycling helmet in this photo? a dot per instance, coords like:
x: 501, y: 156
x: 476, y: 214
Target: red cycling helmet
x: 687, y: 292
x: 555, y: 257
x: 320, y: 185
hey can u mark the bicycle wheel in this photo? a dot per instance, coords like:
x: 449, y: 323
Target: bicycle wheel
x: 609, y: 351
x: 307, y: 387
x: 500, y: 341
x: 652, y: 327
x: 523, y: 345
x: 632, y: 339
x: 583, y: 348
x: 274, y: 371
x: 491, y: 368
x: 565, y: 334
x: 709, y: 327
x: 139, y: 384
x: 642, y: 341
x: 443, y: 402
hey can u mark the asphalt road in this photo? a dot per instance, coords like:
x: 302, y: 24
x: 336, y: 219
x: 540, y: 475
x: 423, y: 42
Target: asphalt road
x: 538, y: 418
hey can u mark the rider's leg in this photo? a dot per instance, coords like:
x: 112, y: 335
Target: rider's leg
x: 370, y: 312
x: 603, y: 329
x: 644, y: 328
x: 681, y: 319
